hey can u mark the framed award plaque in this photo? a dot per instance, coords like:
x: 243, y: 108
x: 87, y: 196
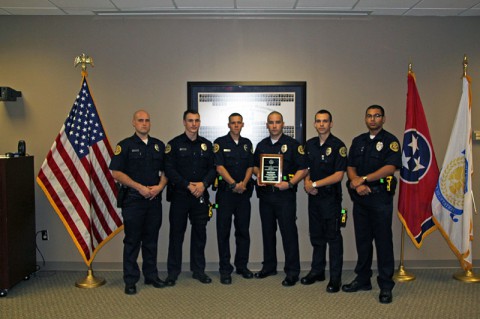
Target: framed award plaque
x: 271, y: 166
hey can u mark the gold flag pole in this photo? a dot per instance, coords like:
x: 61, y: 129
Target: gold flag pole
x: 402, y: 275
x: 466, y: 275
x: 90, y: 281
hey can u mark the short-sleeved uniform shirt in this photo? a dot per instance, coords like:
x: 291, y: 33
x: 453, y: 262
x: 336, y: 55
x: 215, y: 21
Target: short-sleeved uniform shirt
x: 189, y: 161
x: 368, y: 155
x: 141, y: 162
x: 293, y: 153
x: 236, y: 158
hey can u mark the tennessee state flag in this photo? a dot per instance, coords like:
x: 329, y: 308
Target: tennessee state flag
x: 419, y: 172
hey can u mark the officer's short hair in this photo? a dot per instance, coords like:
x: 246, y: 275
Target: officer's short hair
x: 275, y: 112
x: 323, y: 111
x: 234, y: 114
x: 189, y: 111
x: 375, y: 107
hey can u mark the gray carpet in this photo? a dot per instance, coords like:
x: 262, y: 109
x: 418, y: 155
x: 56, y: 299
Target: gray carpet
x: 434, y: 294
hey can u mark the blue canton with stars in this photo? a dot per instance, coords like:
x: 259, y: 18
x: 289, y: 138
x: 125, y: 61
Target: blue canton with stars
x: 416, y: 157
x: 83, y: 127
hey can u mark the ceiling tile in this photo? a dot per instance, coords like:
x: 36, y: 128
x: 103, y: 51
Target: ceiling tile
x: 35, y: 11
x: 265, y: 4
x: 434, y: 12
x: 205, y: 4
x: 445, y: 4
x: 381, y: 4
x: 321, y: 4
x: 26, y: 4
x: 92, y: 4
x: 143, y: 4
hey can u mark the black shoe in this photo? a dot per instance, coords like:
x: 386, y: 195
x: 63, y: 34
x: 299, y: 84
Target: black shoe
x: 264, y: 274
x: 130, y: 289
x: 355, y: 286
x: 334, y: 286
x: 385, y: 296
x: 226, y: 279
x: 202, y: 277
x: 155, y: 282
x: 245, y: 272
x: 170, y: 281
x: 289, y: 281
x: 312, y: 278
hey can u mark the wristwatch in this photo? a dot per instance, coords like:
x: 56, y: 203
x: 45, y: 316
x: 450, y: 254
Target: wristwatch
x: 314, y: 184
x: 364, y: 178
x: 232, y: 185
x: 290, y: 185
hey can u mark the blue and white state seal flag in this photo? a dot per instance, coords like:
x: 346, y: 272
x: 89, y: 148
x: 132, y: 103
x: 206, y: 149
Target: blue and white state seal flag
x: 452, y: 202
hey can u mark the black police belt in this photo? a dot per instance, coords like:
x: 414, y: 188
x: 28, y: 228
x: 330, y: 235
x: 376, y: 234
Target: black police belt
x: 325, y: 191
x: 132, y: 193
x: 387, y: 184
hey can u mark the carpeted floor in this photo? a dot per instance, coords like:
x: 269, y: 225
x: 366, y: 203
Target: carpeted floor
x: 434, y: 294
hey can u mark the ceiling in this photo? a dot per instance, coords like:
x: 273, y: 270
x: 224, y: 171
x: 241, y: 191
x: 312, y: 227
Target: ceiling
x: 247, y: 8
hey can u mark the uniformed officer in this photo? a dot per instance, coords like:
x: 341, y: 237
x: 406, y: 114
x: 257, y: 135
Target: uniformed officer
x: 373, y: 158
x: 190, y: 169
x: 234, y: 162
x: 278, y: 202
x: 327, y: 163
x: 138, y: 164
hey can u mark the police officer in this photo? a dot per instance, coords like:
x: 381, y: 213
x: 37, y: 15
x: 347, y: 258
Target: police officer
x: 190, y: 169
x: 278, y: 202
x: 327, y: 162
x: 234, y: 162
x: 138, y: 164
x: 373, y: 158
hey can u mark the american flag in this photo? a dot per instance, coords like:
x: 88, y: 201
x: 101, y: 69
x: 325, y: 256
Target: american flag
x: 76, y: 179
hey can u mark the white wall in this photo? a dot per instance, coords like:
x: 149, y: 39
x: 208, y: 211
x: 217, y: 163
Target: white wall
x: 348, y: 64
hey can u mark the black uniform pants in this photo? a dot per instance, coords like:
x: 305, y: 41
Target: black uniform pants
x: 280, y: 206
x: 372, y: 217
x: 237, y: 206
x: 324, y: 228
x: 142, y: 219
x: 185, y: 206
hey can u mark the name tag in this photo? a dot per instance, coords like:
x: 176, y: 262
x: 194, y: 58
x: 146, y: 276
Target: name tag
x: 135, y: 150
x: 227, y: 150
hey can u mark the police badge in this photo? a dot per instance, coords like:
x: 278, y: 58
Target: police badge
x: 379, y: 146
x: 284, y: 148
x: 157, y: 148
x: 204, y: 147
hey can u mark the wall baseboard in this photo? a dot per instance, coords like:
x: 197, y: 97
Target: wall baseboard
x: 347, y: 265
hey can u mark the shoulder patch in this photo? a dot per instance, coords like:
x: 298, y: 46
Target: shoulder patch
x: 343, y: 151
x: 168, y: 148
x: 394, y: 146
x: 118, y: 150
x: 216, y: 148
x: 301, y: 150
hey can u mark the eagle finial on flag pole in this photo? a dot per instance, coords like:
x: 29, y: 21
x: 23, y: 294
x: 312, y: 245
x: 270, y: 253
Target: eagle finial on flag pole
x: 83, y: 59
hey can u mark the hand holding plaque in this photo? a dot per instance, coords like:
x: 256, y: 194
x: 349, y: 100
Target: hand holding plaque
x: 271, y: 167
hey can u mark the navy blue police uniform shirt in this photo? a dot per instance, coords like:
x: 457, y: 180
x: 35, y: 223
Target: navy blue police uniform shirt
x: 368, y: 155
x: 293, y: 153
x: 189, y: 161
x: 326, y: 159
x: 141, y: 162
x: 236, y: 158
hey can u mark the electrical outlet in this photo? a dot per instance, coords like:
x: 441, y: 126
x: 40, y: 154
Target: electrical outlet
x: 44, y: 234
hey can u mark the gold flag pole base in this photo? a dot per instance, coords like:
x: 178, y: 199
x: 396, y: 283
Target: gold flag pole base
x: 90, y: 281
x: 466, y: 276
x: 402, y: 275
